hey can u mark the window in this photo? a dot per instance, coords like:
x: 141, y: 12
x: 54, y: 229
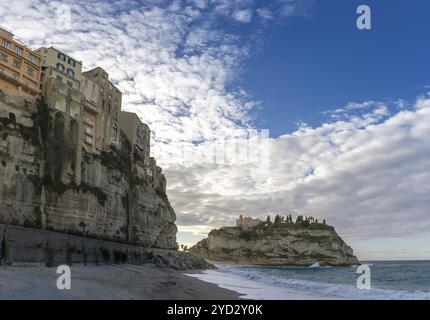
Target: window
x: 1, y: 70
x: 18, y: 51
x: 16, y: 64
x: 33, y: 59
x: 70, y: 73
x: 88, y: 140
x: 69, y: 84
x: 30, y: 71
x: 61, y: 56
x: 60, y: 67
x: 89, y: 131
x: 15, y: 76
x: 71, y: 62
x: 5, y: 44
x: 115, y: 131
x: 3, y: 57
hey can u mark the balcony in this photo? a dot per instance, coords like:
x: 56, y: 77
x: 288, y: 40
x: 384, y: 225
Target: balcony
x: 10, y: 76
x: 90, y: 107
x: 15, y: 79
x: 89, y: 121
x: 62, y: 89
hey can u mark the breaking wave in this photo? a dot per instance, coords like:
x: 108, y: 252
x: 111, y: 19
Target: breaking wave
x: 321, y: 289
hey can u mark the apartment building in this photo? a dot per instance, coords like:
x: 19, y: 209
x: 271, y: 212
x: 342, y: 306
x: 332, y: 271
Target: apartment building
x: 109, y: 106
x: 138, y: 134
x: 20, y: 67
x: 90, y: 118
x: 61, y: 81
x: 61, y: 87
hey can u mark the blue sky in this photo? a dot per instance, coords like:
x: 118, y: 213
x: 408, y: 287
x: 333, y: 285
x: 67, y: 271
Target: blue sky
x: 348, y: 110
x: 311, y: 64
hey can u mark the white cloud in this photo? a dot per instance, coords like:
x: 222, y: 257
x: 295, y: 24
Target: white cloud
x: 366, y: 171
x: 265, y: 13
x: 243, y: 16
x: 366, y: 174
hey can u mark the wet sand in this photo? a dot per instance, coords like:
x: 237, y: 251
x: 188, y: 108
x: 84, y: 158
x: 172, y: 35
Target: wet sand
x: 106, y: 282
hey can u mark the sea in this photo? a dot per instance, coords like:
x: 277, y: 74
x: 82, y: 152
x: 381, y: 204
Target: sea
x: 389, y: 280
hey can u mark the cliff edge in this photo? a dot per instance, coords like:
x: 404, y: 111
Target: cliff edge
x: 281, y: 243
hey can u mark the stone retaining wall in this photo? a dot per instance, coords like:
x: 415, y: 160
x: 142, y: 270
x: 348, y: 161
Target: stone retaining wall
x: 54, y: 248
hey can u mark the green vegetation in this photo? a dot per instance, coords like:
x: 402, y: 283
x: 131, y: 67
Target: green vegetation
x: 57, y: 186
x: 249, y: 235
x: 117, y: 159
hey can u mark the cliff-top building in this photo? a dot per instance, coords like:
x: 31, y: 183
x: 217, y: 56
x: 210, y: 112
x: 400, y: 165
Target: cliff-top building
x: 109, y: 106
x: 246, y: 223
x: 138, y: 134
x: 86, y: 106
x: 20, y: 66
x: 61, y: 83
x: 91, y: 113
x: 61, y: 87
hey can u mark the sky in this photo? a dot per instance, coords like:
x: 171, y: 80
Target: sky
x: 267, y: 107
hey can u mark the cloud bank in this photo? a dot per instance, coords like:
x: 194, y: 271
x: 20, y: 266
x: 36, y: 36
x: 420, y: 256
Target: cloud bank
x: 366, y: 169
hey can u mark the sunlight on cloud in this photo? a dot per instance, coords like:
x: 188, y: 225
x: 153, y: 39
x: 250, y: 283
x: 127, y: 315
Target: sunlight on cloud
x: 366, y: 170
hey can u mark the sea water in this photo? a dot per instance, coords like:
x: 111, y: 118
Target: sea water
x: 389, y: 280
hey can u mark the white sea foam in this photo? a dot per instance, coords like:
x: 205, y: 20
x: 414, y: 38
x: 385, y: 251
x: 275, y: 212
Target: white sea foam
x: 315, y: 265
x: 254, y: 285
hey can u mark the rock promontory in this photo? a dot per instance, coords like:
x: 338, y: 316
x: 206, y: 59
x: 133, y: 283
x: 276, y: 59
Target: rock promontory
x: 282, y: 242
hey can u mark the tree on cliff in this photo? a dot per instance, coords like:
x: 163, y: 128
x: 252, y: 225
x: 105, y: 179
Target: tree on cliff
x: 268, y: 220
x: 277, y: 219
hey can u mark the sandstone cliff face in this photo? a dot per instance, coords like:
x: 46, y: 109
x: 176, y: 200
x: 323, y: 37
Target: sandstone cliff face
x: 277, y: 244
x: 109, y: 204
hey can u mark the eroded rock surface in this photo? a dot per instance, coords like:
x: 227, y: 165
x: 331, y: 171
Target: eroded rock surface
x: 277, y: 244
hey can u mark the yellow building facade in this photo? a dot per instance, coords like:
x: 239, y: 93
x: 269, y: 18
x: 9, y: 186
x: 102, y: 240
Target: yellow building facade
x: 90, y: 119
x: 20, y: 67
x: 138, y: 133
x: 61, y: 87
x: 61, y: 81
x: 109, y: 106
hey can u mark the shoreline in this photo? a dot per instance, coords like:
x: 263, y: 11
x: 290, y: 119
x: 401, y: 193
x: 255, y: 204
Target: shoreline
x: 253, y: 290
x: 108, y: 282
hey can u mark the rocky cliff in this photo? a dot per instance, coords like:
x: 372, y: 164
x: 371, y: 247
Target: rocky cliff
x: 115, y: 200
x: 284, y: 243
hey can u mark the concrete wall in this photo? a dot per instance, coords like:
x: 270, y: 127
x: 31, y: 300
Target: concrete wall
x: 26, y: 245
x: 32, y: 245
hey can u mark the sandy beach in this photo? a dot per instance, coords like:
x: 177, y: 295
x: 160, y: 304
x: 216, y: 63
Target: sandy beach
x: 119, y: 282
